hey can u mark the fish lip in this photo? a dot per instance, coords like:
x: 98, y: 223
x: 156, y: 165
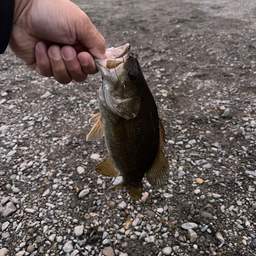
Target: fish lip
x: 115, y: 60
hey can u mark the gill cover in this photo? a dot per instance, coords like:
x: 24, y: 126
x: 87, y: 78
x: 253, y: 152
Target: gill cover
x: 120, y: 87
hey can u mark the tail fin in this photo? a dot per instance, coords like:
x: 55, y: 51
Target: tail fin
x: 134, y: 192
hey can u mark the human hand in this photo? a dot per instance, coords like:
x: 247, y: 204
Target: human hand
x: 56, y: 38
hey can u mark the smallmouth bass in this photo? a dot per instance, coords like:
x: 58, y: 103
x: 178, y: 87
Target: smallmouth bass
x: 128, y: 120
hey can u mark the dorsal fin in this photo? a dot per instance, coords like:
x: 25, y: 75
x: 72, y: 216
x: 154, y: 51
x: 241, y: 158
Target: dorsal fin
x: 158, y: 173
x: 97, y: 130
x: 107, y: 168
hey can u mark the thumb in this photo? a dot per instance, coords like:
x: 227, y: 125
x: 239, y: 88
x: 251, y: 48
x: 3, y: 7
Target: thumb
x: 90, y: 37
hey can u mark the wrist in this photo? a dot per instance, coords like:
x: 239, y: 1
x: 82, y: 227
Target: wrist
x: 20, y: 6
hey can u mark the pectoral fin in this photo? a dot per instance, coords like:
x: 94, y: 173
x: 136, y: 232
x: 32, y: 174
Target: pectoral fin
x: 97, y: 130
x: 107, y: 168
x: 95, y: 118
x: 158, y: 173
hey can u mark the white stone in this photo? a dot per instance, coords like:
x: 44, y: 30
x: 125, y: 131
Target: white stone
x: 5, y: 225
x: 80, y: 170
x: 68, y: 246
x: 189, y: 225
x: 84, y: 192
x: 95, y: 156
x: 78, y: 230
x: 122, y: 205
x: 47, y: 94
x: 3, y: 251
x: 167, y: 250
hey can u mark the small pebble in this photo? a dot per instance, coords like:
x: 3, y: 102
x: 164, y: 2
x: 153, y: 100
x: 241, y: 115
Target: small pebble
x: 189, y: 225
x: 80, y: 170
x: 167, y: 250
x: 108, y: 251
x: 68, y: 246
x: 78, y: 231
x: 84, y: 192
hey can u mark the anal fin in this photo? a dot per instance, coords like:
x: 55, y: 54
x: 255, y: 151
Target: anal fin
x: 97, y: 130
x: 107, y: 168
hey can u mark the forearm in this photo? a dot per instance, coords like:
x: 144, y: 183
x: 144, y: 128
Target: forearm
x: 6, y: 21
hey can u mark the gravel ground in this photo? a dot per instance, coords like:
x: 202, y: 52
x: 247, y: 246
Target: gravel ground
x: 199, y: 61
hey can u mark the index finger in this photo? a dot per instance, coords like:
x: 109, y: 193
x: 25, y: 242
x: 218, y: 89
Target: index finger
x: 90, y: 37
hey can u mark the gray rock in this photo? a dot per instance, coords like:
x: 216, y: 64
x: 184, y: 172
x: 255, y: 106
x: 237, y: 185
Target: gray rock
x: 79, y: 230
x: 122, y: 205
x: 226, y: 112
x: 189, y: 225
x: 8, y: 210
x: 30, y: 248
x: 150, y: 239
x: 30, y: 210
x: 95, y: 156
x: 207, y: 166
x: 5, y: 235
x: 5, y: 225
x: 20, y: 253
x: 68, y: 246
x: 106, y: 242
x: 108, y: 251
x: 104, y: 235
x: 3, y: 251
x: 206, y: 215
x: 11, y: 153
x: 250, y: 173
x: 136, y: 222
x: 80, y: 170
x: 15, y: 190
x: 84, y: 192
x: 220, y: 238
x: 192, y: 235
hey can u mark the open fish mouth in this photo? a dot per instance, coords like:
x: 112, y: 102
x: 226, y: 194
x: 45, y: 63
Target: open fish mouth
x: 116, y: 56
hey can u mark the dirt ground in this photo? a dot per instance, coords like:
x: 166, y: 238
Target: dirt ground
x: 199, y: 58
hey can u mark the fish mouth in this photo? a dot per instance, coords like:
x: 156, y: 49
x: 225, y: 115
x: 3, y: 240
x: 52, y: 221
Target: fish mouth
x: 116, y: 57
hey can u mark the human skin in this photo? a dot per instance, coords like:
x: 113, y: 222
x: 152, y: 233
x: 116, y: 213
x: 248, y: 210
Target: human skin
x: 56, y: 38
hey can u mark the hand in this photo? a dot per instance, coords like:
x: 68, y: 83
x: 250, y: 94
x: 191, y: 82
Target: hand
x: 56, y: 38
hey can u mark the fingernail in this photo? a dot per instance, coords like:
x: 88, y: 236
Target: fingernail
x: 55, y: 53
x: 67, y: 54
x: 84, y: 62
x: 40, y: 47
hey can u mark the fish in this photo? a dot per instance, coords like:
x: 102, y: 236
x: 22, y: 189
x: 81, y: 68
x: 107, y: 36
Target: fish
x: 129, y: 122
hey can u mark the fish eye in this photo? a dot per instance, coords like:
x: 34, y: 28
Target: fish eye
x: 132, y: 75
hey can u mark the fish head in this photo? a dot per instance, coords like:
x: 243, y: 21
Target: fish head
x: 121, y: 75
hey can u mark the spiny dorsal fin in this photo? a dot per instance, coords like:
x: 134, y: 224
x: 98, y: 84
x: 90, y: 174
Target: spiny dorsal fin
x: 158, y: 173
x: 97, y: 130
x: 107, y: 168
x: 95, y: 118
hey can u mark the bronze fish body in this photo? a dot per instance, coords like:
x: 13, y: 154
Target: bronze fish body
x: 129, y: 121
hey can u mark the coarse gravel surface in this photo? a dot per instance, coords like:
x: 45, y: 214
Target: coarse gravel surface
x: 199, y: 58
